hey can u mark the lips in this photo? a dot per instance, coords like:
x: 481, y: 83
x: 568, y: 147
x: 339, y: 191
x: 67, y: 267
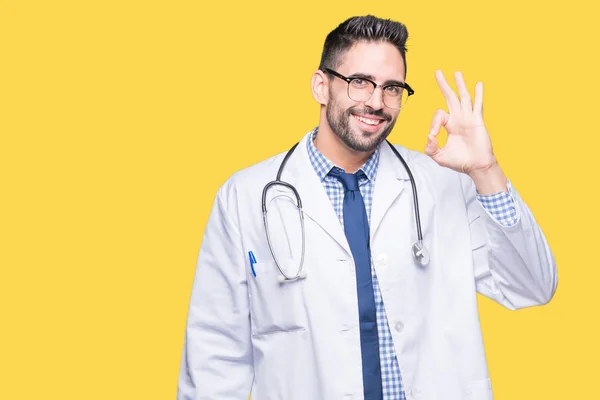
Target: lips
x: 370, y: 123
x: 368, y: 120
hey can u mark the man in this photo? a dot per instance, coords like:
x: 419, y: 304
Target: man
x: 368, y: 315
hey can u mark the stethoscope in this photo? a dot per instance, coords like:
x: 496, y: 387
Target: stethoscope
x: 419, y: 252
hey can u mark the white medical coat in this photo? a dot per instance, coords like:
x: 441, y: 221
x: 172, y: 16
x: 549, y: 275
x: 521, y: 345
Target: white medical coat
x: 300, y: 340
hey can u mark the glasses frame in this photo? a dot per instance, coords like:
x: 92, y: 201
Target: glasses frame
x: 404, y: 85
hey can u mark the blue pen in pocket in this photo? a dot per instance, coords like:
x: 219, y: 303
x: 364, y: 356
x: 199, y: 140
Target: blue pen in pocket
x: 252, y: 262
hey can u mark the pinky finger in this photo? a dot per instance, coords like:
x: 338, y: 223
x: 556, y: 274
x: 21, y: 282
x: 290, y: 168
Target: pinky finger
x: 478, y: 103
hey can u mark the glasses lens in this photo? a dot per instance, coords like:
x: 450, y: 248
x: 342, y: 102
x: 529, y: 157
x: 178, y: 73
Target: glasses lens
x: 360, y: 90
x: 394, y: 97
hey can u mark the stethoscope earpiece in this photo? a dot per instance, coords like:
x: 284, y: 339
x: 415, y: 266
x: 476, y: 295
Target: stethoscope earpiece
x: 420, y: 254
x: 302, y: 275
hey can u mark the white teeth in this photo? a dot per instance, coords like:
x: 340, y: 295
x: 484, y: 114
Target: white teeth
x: 367, y: 120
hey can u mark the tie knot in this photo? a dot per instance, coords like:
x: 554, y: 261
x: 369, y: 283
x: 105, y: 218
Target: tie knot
x: 350, y: 181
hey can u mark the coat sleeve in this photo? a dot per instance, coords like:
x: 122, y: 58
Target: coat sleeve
x: 514, y: 265
x: 217, y: 355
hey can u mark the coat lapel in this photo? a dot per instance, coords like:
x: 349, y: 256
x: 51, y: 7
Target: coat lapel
x: 316, y: 204
x: 389, y: 183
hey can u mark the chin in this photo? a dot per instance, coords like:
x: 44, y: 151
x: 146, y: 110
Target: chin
x: 368, y: 141
x: 363, y: 145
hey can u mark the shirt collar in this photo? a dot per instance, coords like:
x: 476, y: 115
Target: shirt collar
x: 322, y: 165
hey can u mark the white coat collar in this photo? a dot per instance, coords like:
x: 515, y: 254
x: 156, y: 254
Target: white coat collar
x: 389, y: 183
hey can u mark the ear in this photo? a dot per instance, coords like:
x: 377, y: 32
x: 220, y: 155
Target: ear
x: 320, y: 87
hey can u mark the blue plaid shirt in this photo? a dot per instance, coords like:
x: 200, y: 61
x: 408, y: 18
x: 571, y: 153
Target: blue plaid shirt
x: 500, y: 206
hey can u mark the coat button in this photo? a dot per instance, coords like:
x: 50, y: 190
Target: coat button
x: 399, y: 326
x: 380, y: 259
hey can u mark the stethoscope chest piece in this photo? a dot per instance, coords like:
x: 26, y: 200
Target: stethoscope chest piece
x: 420, y: 254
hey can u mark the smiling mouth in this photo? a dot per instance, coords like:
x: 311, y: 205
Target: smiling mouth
x: 369, y: 121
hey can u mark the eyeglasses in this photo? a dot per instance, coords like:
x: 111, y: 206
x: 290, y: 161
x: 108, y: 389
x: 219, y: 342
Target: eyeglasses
x: 361, y: 89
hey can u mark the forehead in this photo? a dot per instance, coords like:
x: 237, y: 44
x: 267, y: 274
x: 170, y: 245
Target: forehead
x: 382, y: 60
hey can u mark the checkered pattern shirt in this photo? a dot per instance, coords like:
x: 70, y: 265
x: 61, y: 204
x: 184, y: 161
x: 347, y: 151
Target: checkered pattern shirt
x: 500, y: 206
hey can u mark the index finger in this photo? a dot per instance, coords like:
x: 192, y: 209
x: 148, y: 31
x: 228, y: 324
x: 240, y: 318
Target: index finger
x: 451, y: 99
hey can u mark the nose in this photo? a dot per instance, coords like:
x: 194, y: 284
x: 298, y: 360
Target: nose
x: 376, y: 100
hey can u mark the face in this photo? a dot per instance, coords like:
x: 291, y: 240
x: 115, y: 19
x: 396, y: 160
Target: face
x: 362, y: 126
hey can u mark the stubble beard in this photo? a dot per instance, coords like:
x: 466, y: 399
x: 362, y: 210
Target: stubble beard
x: 339, y: 122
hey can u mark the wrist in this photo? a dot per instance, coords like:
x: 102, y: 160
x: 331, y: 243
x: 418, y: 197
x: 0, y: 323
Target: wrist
x: 489, y: 180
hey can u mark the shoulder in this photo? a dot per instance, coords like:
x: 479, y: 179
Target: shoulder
x: 440, y: 179
x: 250, y: 179
x: 421, y: 162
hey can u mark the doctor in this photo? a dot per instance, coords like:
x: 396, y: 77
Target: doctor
x: 363, y: 318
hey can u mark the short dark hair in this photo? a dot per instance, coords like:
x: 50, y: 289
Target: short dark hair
x: 366, y: 28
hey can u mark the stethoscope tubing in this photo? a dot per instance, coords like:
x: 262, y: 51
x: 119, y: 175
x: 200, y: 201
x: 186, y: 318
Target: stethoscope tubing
x: 414, y: 190
x: 419, y: 251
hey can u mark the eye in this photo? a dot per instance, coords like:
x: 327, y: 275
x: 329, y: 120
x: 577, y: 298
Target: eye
x: 393, y: 90
x: 359, y: 83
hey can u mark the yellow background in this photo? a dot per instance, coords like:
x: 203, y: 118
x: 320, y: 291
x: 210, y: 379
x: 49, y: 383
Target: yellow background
x: 120, y: 119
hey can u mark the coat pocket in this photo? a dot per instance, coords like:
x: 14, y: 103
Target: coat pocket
x: 480, y: 390
x: 276, y: 306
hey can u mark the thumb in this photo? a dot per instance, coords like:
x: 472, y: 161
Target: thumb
x: 432, y: 148
x: 440, y: 118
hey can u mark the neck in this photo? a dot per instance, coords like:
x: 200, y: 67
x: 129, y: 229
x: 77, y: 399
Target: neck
x: 335, y: 150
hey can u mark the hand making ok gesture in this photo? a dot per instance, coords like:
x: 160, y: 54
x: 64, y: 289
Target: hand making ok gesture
x: 468, y: 148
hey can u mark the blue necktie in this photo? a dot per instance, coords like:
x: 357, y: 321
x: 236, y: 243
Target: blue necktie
x: 356, y: 227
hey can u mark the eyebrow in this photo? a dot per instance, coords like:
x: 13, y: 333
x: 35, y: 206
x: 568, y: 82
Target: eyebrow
x: 372, y: 78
